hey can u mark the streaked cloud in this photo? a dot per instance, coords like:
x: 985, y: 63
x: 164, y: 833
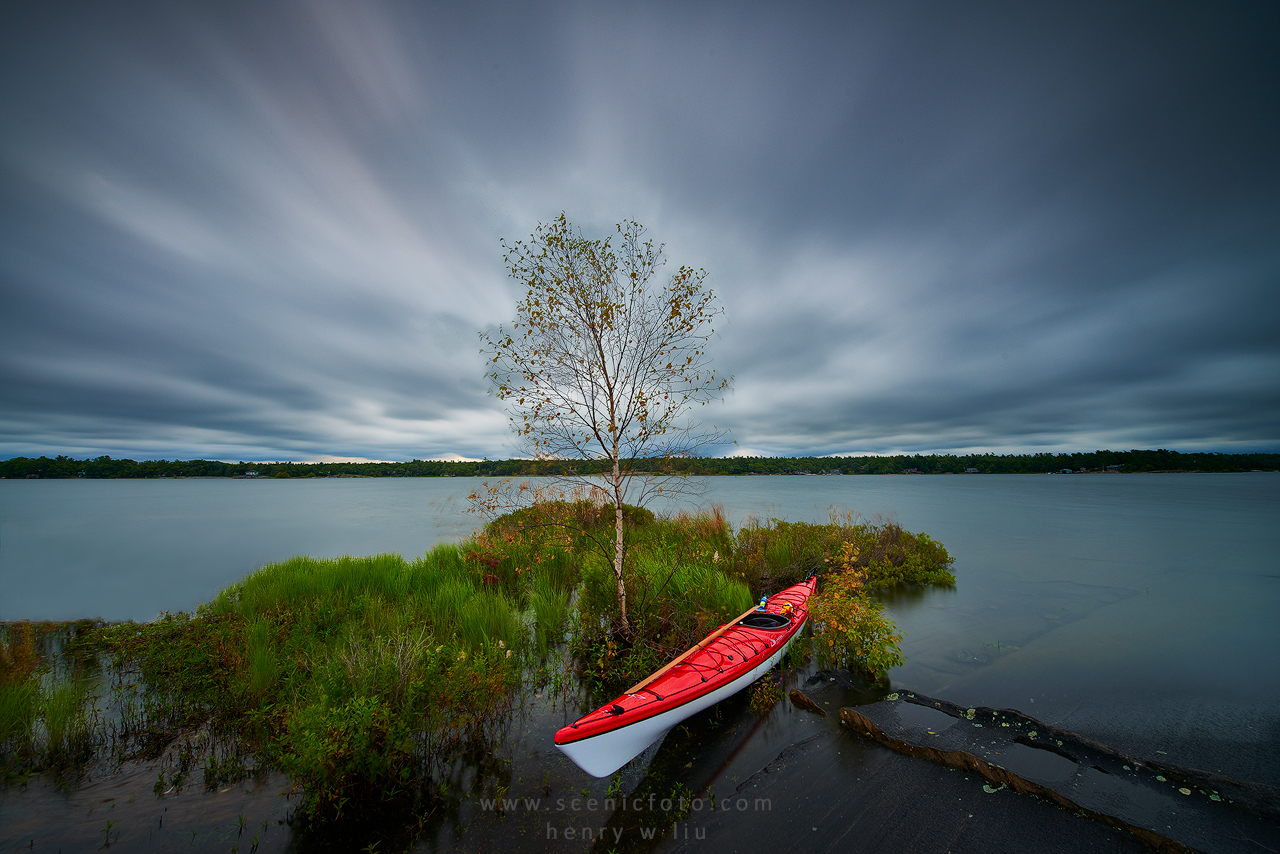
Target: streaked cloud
x: 271, y: 231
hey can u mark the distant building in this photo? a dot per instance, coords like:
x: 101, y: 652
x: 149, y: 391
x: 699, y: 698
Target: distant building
x: 1066, y: 471
x: 971, y: 471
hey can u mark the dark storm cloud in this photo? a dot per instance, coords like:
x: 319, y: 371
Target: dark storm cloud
x: 271, y: 230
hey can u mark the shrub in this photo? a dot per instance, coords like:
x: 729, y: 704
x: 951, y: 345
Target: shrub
x: 765, y: 694
x: 850, y: 627
x: 770, y: 557
x: 382, y: 716
x: 18, y: 657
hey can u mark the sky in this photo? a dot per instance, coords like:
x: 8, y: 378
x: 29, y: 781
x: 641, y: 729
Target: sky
x: 271, y: 230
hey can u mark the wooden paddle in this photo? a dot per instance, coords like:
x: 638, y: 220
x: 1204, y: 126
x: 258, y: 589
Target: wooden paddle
x: 697, y: 646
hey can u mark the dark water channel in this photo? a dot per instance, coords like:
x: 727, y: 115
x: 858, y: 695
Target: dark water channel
x: 1135, y: 610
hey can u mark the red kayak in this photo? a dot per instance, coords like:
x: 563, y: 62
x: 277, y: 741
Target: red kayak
x: 723, y: 663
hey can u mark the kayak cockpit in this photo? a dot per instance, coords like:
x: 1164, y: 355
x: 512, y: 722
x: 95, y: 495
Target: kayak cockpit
x: 763, y: 620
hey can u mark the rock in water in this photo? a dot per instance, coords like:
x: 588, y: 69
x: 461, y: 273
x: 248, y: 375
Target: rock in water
x: 801, y: 701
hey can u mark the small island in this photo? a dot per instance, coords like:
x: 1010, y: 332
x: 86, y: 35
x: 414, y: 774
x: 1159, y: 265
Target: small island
x: 367, y: 680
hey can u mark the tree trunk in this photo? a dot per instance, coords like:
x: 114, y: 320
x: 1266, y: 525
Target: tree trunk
x: 617, y: 544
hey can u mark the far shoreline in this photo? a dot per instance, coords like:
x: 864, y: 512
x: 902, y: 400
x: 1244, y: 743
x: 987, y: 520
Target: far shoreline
x: 1091, y: 462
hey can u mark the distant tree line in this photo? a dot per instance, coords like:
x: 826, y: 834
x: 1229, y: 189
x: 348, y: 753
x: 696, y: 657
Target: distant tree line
x: 107, y: 467
x: 1095, y: 461
x: 1090, y: 461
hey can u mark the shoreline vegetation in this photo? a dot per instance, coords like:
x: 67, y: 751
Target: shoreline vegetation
x: 373, y: 681
x: 1134, y: 461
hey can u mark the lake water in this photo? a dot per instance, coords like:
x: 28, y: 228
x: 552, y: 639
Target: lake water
x: 1138, y: 610
x: 129, y: 549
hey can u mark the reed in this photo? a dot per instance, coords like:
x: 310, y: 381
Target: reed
x: 263, y: 667
x: 557, y: 567
x: 489, y: 619
x: 695, y: 588
x: 46, y: 711
x: 445, y: 606
x: 43, y: 726
x: 550, y: 604
x: 18, y: 708
x: 337, y: 581
x: 65, y: 719
x: 443, y: 589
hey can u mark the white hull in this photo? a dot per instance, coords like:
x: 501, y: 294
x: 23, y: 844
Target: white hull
x: 605, y: 753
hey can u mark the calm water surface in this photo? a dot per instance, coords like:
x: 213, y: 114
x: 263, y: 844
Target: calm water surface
x: 129, y: 549
x: 1139, y: 610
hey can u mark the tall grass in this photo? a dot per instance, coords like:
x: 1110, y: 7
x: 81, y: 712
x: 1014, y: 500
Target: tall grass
x: 45, y: 718
x: 18, y: 689
x: 359, y: 676
x: 710, y: 589
x: 550, y: 604
x: 65, y: 718
x: 263, y: 667
x: 673, y: 603
x: 18, y: 709
x: 488, y: 619
x: 45, y: 725
x: 443, y: 591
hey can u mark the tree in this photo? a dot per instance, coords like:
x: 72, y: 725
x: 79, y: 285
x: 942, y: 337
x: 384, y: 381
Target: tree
x: 600, y: 366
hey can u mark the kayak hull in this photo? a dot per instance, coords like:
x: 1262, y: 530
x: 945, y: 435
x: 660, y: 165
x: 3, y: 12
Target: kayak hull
x: 611, y: 736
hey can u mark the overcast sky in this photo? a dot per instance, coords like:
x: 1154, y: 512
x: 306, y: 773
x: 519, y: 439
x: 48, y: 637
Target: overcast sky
x: 270, y: 230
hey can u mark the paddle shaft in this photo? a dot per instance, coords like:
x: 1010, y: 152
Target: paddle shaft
x: 697, y: 646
